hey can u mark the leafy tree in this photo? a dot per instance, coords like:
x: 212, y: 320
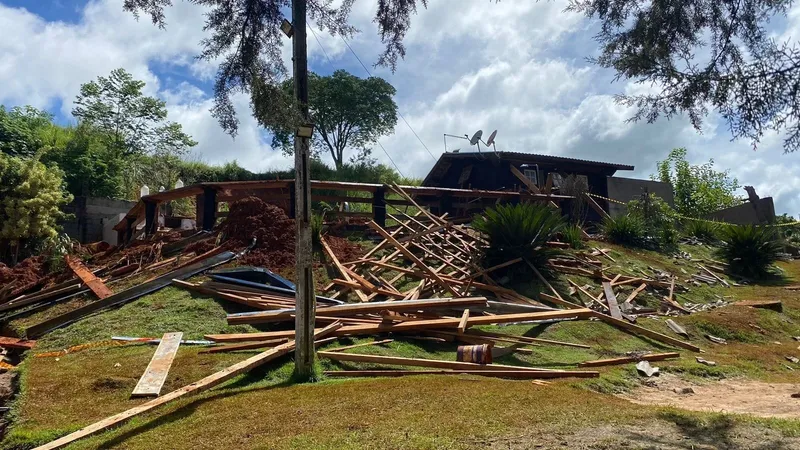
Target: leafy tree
x: 20, y: 130
x: 347, y: 112
x: 246, y: 39
x: 702, y: 55
x: 698, y: 189
x: 131, y: 122
x: 31, y: 196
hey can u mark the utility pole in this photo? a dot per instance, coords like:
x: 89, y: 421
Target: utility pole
x: 304, y: 297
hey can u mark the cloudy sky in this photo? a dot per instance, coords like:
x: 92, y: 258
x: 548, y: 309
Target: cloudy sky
x: 517, y: 66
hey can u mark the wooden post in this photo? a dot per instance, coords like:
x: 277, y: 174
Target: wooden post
x: 150, y: 224
x: 129, y: 229
x: 306, y: 303
x: 379, y: 206
x: 292, y: 200
x: 209, y: 208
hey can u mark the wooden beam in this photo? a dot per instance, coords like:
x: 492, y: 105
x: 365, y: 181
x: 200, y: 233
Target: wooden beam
x: 636, y: 329
x: 433, y: 324
x: 88, y: 278
x: 341, y: 268
x: 598, y: 209
x: 636, y: 292
x: 413, y: 258
x: 206, y: 383
x: 365, y: 344
x: 518, y: 374
x: 248, y: 346
x: 629, y: 359
x: 155, y: 375
x: 462, y: 326
x: 613, y: 306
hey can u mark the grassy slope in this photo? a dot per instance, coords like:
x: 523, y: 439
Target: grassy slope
x: 414, y: 412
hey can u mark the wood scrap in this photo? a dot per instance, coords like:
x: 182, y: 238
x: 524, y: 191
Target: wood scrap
x: 462, y: 325
x: 776, y: 305
x: 629, y: 359
x: 89, y: 279
x: 613, y: 306
x: 155, y: 374
x: 645, y: 332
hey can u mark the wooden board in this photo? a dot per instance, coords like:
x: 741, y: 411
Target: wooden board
x: 88, y: 278
x: 15, y: 343
x: 155, y: 375
x: 629, y: 359
x: 248, y: 346
x: 206, y: 383
x: 636, y: 329
x: 519, y: 374
x: 611, y: 298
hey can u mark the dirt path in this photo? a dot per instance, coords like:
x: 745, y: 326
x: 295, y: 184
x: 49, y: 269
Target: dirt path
x: 731, y: 396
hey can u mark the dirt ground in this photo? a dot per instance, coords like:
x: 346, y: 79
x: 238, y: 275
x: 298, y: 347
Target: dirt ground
x: 661, y: 435
x: 730, y: 396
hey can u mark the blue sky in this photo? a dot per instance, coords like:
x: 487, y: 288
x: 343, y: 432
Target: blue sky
x: 516, y: 66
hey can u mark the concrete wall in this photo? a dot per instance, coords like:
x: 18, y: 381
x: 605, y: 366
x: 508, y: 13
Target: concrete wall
x: 91, y: 214
x: 627, y: 189
x: 745, y: 214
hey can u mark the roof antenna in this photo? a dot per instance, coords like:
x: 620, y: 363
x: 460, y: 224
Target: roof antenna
x: 490, y: 142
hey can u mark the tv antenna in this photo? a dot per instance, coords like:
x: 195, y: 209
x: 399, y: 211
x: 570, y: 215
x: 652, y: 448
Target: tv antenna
x: 490, y: 142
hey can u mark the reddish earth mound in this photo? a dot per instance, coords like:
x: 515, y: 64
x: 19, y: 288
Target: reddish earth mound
x: 344, y: 249
x: 27, y: 273
x: 273, y: 230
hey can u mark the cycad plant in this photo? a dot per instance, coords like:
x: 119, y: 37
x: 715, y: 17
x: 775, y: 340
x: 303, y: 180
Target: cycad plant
x: 624, y: 230
x: 749, y: 250
x: 519, y: 230
x: 703, y: 230
x: 572, y: 234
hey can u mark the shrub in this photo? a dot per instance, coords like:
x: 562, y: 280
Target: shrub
x: 624, y: 230
x: 572, y: 234
x: 702, y: 230
x: 658, y: 220
x: 749, y: 250
x: 517, y: 231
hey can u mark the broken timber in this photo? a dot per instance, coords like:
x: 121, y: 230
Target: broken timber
x: 155, y: 375
x: 636, y: 329
x: 518, y: 374
x: 89, y: 279
x: 613, y: 306
x: 629, y: 359
x: 206, y: 383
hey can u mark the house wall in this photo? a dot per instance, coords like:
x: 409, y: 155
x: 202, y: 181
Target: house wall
x: 745, y: 214
x: 627, y: 189
x: 90, y: 215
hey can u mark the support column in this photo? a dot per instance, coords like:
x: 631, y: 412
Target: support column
x: 129, y: 229
x: 209, y: 208
x: 379, y: 206
x: 292, y: 200
x: 150, y: 222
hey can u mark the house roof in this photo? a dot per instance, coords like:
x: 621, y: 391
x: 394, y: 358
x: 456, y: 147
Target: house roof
x: 522, y: 158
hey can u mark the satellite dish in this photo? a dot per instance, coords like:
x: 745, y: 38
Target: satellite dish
x: 476, y: 137
x: 491, y: 138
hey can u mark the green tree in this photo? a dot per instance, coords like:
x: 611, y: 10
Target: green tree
x: 703, y: 55
x: 347, y: 112
x: 31, y: 197
x: 698, y: 189
x: 21, y: 130
x: 131, y: 122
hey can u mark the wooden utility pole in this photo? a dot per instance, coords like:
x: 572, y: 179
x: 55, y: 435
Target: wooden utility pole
x: 306, y: 302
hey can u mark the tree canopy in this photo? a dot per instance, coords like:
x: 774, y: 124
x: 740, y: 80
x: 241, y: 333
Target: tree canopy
x: 246, y: 40
x: 347, y: 112
x: 701, y: 55
x: 131, y: 122
x: 20, y: 130
x: 698, y: 189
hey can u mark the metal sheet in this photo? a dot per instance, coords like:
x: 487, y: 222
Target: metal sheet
x: 155, y: 375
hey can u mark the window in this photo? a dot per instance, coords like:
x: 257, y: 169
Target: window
x: 532, y: 175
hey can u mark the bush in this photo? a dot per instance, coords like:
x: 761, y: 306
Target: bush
x: 658, y: 220
x: 703, y: 230
x: 517, y: 231
x: 572, y: 234
x: 624, y: 230
x: 749, y: 251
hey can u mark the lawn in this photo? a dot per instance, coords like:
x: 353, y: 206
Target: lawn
x: 263, y: 410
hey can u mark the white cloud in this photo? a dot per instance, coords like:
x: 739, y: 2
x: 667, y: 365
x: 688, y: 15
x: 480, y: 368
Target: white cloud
x: 513, y: 66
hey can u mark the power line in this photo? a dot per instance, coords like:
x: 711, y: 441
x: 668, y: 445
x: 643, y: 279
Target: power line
x: 398, y: 111
x: 331, y: 63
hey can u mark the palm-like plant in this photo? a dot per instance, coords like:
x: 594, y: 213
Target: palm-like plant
x: 749, y: 250
x: 520, y: 230
x: 625, y: 230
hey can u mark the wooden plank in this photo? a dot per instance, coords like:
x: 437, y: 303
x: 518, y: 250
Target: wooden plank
x: 15, y: 343
x: 636, y: 292
x: 777, y: 305
x: 629, y: 359
x: 528, y: 183
x: 725, y: 283
x: 413, y: 258
x: 155, y: 375
x: 613, y: 306
x: 486, y: 335
x: 206, y: 383
x: 598, y: 209
x: 341, y: 268
x: 417, y: 362
x: 200, y: 289
x: 433, y: 324
x: 462, y: 326
x: 636, y: 329
x: 403, y: 194
x: 543, y: 280
x: 365, y: 344
x: 89, y: 279
x: 518, y: 374
x: 248, y: 346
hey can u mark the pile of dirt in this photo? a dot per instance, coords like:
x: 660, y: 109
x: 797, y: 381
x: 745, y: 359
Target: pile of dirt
x: 272, y: 229
x: 345, y: 250
x: 201, y: 247
x: 27, y: 273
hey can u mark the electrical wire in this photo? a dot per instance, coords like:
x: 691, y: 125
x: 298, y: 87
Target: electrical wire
x: 331, y: 63
x: 398, y: 112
